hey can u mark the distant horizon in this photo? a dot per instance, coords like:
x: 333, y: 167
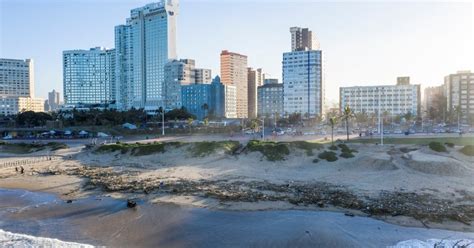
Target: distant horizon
x: 366, y: 43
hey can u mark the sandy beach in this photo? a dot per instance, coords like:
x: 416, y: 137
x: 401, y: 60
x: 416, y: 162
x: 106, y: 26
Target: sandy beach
x: 408, y: 185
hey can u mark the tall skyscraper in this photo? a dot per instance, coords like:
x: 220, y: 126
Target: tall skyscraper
x: 89, y: 76
x: 54, y: 100
x: 460, y: 93
x: 143, y: 46
x: 234, y: 73
x: 302, y: 39
x: 303, y: 84
x: 17, y: 87
x: 179, y: 73
x: 255, y: 79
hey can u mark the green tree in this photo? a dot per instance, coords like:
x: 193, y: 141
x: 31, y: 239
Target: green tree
x: 332, y: 123
x: 347, y: 114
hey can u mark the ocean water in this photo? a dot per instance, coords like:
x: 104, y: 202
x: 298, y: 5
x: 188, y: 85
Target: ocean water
x: 105, y: 221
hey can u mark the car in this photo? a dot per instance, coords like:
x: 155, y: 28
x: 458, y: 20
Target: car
x: 398, y: 131
x: 8, y: 137
x: 249, y: 132
x: 386, y: 132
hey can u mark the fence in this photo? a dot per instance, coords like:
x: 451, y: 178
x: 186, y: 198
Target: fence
x: 29, y: 161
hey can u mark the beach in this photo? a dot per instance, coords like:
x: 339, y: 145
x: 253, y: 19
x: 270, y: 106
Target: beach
x: 404, y: 186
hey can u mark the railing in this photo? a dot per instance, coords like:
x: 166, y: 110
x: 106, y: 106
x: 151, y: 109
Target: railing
x: 29, y: 161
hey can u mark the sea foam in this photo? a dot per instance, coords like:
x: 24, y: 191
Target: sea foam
x: 430, y: 243
x: 8, y: 239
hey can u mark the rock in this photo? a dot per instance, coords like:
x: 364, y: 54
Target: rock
x: 69, y: 201
x: 349, y: 214
x: 131, y: 203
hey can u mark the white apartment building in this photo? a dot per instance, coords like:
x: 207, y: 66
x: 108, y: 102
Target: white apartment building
x: 143, y: 46
x: 230, y: 101
x: 396, y: 100
x: 17, y: 87
x: 89, y: 76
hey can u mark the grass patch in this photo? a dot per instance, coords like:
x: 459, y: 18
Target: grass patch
x: 460, y: 141
x: 467, y: 150
x: 273, y: 151
x: 137, y: 149
x: 202, y: 149
x: 328, y: 155
x: 333, y: 147
x: 57, y: 146
x: 346, y: 155
x: 24, y: 148
x: 346, y: 149
x: 436, y: 146
x: 307, y: 146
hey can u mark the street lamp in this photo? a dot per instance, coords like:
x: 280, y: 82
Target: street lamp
x: 263, y: 127
x: 380, y: 122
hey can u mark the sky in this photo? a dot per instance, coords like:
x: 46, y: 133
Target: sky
x: 363, y: 43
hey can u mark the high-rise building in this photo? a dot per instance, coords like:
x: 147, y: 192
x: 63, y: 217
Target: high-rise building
x: 270, y: 99
x: 89, y: 76
x: 53, y: 101
x: 431, y: 95
x: 270, y: 81
x: 143, y: 46
x: 234, y: 73
x: 302, y: 40
x: 182, y: 72
x: 255, y: 79
x: 459, y: 89
x: 395, y: 100
x: 17, y: 87
x: 230, y: 101
x: 303, y: 85
x: 205, y: 100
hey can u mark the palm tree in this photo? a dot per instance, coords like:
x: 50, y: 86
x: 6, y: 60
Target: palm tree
x: 347, y: 114
x: 332, y: 122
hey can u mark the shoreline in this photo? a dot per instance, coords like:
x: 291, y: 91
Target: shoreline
x: 407, y: 185
x: 151, y: 225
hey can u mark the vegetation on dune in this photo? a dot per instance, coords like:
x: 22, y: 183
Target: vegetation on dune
x: 328, y: 156
x: 201, y: 149
x: 436, y: 146
x: 21, y: 148
x: 346, y: 155
x: 468, y: 150
x: 137, y: 149
x: 346, y: 149
x: 333, y: 147
x: 315, y: 160
x: 449, y: 144
x: 460, y: 141
x: 273, y: 151
x: 305, y: 145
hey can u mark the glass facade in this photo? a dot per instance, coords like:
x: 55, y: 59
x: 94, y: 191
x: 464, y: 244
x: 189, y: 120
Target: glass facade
x: 89, y: 76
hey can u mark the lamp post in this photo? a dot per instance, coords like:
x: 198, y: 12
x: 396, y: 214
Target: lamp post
x: 380, y: 122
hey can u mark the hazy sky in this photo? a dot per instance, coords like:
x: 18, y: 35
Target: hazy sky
x: 363, y: 43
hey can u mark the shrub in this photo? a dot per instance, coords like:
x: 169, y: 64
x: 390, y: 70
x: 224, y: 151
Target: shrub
x: 436, y: 146
x: 328, y: 155
x: 201, y: 149
x: 346, y: 149
x: 468, y: 150
x: 273, y: 151
x: 333, y: 147
x: 346, y: 155
x: 315, y: 160
x: 57, y: 146
x: 449, y: 144
x: 307, y: 146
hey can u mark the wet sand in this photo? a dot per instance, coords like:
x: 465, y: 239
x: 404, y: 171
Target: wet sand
x: 102, y: 220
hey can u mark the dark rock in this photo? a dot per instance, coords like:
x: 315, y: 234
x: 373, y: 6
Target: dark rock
x: 349, y: 214
x: 131, y: 203
x: 69, y: 201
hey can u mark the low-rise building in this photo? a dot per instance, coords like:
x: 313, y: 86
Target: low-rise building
x: 270, y: 99
x: 395, y: 100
